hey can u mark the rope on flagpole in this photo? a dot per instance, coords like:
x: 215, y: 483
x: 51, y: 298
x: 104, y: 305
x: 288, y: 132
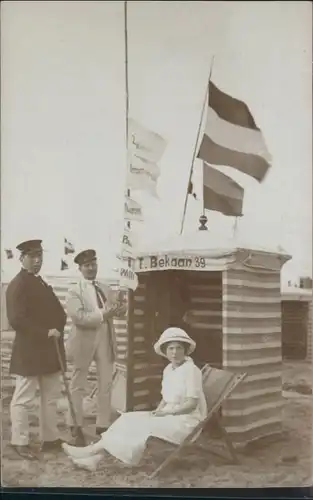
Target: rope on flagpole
x: 235, y: 227
x: 203, y: 208
x: 196, y: 143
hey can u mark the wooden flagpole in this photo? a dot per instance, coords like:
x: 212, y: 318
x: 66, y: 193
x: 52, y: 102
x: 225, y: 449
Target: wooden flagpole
x: 196, y: 144
x: 126, y: 88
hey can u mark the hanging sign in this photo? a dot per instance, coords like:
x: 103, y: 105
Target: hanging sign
x: 181, y: 262
x: 127, y: 277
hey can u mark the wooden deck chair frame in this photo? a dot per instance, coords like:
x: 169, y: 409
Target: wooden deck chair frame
x: 213, y: 407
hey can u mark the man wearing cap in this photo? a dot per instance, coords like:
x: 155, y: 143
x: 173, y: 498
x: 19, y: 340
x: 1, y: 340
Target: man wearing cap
x: 91, y: 309
x: 37, y: 317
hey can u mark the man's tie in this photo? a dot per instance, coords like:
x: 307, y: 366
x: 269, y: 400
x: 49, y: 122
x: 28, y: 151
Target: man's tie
x: 101, y: 299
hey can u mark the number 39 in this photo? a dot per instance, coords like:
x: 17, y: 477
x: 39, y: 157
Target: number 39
x: 200, y: 262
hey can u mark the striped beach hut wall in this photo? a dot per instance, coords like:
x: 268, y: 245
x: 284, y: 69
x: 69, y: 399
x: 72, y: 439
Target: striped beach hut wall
x: 252, y: 344
x: 235, y: 296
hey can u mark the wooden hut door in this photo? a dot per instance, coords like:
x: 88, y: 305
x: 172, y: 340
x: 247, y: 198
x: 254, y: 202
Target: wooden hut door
x: 294, y: 329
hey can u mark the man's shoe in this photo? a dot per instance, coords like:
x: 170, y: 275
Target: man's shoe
x: 25, y: 452
x: 101, y: 430
x: 55, y: 445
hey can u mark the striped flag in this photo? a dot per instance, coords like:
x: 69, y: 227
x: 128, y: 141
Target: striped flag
x: 231, y: 137
x: 64, y: 265
x: 9, y: 253
x: 221, y: 193
x: 68, y: 247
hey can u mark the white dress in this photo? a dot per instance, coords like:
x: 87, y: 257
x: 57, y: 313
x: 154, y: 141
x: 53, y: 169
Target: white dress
x: 126, y: 438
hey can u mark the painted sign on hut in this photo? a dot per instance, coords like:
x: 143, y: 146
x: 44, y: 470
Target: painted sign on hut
x: 232, y: 293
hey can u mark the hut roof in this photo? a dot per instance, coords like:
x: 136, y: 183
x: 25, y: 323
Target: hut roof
x: 293, y: 293
x: 205, y: 243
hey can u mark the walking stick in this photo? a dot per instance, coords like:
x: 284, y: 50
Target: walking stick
x: 79, y: 436
x: 95, y: 389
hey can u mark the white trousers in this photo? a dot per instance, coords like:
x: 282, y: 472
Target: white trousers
x: 23, y: 400
x: 104, y: 366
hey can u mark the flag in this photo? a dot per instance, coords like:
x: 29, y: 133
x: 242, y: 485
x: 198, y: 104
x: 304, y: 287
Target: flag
x: 9, y: 253
x: 128, y: 243
x: 142, y: 181
x: 132, y: 210
x: 68, y: 247
x: 231, y: 137
x: 145, y: 149
x: 139, y: 165
x: 221, y: 193
x: 145, y: 143
x: 191, y: 190
x: 64, y: 265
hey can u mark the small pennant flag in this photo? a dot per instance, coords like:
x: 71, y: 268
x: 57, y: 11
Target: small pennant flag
x: 64, y: 265
x: 142, y: 181
x: 231, y: 137
x: 128, y: 243
x: 132, y: 210
x: 145, y: 150
x: 68, y: 247
x: 140, y: 165
x: 9, y: 253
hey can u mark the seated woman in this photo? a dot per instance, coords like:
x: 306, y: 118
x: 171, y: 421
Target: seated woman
x: 182, y: 407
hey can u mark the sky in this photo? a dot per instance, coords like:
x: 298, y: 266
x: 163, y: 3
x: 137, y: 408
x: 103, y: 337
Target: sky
x: 63, y: 147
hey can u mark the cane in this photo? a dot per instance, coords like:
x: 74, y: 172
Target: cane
x: 95, y: 389
x: 79, y: 436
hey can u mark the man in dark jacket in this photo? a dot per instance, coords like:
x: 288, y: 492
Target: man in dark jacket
x: 38, y: 318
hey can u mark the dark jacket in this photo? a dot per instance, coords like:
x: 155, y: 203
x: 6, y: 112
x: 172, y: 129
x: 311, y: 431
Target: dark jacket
x: 33, y: 309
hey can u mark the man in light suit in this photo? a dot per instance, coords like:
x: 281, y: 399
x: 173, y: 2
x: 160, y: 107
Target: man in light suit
x: 91, y: 308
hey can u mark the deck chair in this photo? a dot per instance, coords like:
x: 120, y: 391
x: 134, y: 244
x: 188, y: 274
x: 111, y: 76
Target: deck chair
x: 217, y: 385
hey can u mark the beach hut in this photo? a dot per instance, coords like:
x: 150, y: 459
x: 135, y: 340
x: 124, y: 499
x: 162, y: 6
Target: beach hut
x: 234, y: 292
x: 297, y: 323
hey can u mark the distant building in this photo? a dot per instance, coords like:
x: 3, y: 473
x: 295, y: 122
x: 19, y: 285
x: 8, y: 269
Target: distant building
x: 305, y: 282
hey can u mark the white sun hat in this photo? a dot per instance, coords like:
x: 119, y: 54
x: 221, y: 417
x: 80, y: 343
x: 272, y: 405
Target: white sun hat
x: 174, y: 334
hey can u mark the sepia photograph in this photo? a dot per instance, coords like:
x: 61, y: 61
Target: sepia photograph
x: 156, y: 244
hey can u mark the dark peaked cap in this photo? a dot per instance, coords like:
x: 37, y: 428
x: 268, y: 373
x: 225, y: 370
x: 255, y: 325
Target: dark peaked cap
x: 85, y: 256
x: 30, y: 246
